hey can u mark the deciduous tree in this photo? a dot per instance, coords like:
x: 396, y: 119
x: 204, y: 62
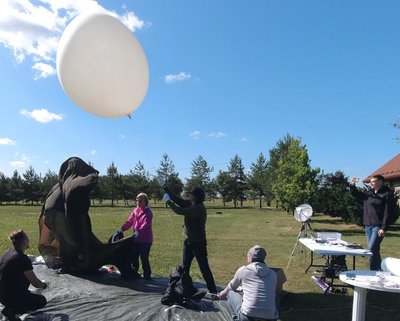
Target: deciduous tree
x: 294, y: 180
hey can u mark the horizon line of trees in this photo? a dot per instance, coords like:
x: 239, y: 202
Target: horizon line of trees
x: 285, y: 180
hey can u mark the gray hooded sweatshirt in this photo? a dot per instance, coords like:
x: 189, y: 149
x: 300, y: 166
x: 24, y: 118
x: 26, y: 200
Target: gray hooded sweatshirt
x: 259, y: 287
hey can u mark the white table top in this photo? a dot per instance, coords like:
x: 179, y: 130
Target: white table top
x: 369, y: 280
x: 333, y: 249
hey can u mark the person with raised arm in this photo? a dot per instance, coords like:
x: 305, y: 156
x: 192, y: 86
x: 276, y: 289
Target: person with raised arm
x: 195, y: 243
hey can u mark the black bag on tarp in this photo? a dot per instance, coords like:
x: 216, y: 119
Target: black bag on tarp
x: 181, y: 290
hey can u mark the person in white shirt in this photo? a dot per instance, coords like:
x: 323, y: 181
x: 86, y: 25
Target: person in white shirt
x: 258, y: 285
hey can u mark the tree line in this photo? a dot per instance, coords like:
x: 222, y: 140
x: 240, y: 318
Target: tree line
x: 284, y: 180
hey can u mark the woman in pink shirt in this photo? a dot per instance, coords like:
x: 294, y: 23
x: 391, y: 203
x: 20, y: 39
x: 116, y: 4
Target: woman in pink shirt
x: 141, y: 220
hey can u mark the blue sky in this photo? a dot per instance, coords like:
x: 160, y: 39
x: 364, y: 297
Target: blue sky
x: 226, y: 77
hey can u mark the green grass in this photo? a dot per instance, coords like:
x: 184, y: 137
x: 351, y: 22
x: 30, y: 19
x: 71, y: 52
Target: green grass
x: 230, y: 235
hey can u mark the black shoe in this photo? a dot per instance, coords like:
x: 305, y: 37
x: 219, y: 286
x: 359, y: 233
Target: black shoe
x: 131, y: 276
x: 199, y: 295
x: 9, y: 314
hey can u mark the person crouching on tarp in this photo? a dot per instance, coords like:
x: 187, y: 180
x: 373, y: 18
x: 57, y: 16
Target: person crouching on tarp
x: 258, y: 283
x: 16, y: 274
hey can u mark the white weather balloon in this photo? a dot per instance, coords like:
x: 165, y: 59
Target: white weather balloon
x: 102, y: 66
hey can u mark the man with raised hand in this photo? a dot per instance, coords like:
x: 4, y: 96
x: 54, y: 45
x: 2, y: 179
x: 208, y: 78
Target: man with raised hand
x: 195, y: 244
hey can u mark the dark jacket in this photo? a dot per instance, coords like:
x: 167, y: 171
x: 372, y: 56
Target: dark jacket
x: 376, y: 205
x: 13, y: 282
x: 195, y: 216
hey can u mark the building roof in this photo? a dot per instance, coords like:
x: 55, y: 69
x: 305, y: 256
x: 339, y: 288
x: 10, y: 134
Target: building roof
x: 390, y: 170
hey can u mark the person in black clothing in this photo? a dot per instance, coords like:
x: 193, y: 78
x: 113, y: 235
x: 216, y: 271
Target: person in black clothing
x: 195, y: 244
x: 377, y: 203
x: 16, y: 274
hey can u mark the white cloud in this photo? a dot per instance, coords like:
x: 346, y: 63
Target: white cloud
x: 23, y: 162
x: 93, y: 152
x: 32, y: 29
x: 217, y: 134
x: 43, y: 70
x: 133, y: 22
x: 17, y: 164
x: 7, y: 141
x: 41, y: 115
x: 243, y: 139
x: 195, y: 134
x: 169, y: 79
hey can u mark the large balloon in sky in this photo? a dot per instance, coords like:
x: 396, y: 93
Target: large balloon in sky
x: 102, y: 66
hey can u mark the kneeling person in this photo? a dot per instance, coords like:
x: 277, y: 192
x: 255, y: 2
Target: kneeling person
x: 16, y: 274
x: 258, y: 282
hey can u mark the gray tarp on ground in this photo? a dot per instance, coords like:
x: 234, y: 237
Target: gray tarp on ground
x: 106, y: 296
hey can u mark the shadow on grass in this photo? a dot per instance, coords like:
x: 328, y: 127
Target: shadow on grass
x: 381, y: 306
x: 394, y: 228
x: 392, y: 232
x: 329, y: 221
x: 343, y: 232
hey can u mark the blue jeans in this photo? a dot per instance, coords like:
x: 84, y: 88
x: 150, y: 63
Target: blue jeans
x: 234, y: 304
x: 374, y: 245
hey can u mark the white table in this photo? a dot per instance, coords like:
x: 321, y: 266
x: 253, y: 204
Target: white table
x: 362, y: 281
x: 329, y: 249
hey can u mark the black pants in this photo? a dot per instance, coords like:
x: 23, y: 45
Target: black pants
x: 142, y: 250
x: 198, y: 250
x: 24, y: 302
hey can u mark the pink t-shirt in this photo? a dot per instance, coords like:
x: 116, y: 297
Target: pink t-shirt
x: 141, y: 220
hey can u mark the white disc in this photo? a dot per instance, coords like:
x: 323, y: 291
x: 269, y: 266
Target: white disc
x: 303, y: 213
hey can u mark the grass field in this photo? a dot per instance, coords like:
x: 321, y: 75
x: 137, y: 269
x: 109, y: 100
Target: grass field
x: 230, y: 235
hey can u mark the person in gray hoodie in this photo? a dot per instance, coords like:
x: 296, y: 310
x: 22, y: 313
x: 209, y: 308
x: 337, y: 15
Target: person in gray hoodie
x: 257, y: 282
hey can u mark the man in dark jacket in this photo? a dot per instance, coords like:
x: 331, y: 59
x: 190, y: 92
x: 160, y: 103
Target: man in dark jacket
x: 377, y: 204
x: 195, y: 244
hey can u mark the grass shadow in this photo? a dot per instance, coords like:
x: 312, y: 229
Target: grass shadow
x: 315, y: 307
x: 381, y: 306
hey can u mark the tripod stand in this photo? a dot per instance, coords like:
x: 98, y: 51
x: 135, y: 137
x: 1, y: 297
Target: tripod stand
x: 302, y: 233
